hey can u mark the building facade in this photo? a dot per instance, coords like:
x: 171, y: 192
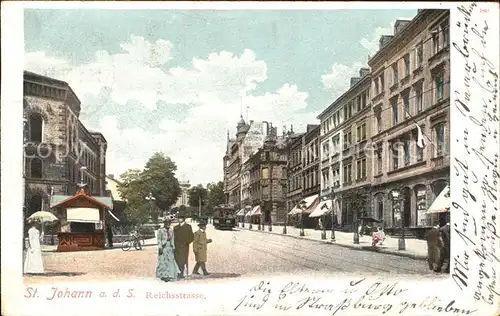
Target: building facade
x: 294, y: 170
x: 57, y: 144
x: 346, y: 148
x: 410, y: 91
x: 183, y: 199
x: 310, y: 160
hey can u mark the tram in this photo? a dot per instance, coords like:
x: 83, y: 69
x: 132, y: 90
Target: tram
x: 224, y: 217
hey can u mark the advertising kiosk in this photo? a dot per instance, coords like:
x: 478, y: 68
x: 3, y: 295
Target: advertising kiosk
x: 82, y: 217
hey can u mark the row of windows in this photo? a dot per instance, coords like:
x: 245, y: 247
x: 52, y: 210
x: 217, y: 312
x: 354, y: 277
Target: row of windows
x: 352, y: 107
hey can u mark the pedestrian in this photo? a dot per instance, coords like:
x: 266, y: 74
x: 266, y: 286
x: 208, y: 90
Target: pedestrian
x: 435, y: 249
x: 200, y: 248
x: 33, y: 264
x: 445, y: 235
x: 166, y: 269
x: 184, y: 236
x: 109, y: 235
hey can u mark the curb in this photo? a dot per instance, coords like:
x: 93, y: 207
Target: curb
x: 354, y: 247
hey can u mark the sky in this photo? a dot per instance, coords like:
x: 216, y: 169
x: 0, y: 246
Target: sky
x: 176, y: 81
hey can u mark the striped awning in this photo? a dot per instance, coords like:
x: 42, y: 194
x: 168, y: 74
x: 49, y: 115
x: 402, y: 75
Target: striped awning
x: 310, y: 203
x: 322, y: 208
x: 442, y: 203
x: 241, y: 212
x: 254, y: 211
x: 294, y: 211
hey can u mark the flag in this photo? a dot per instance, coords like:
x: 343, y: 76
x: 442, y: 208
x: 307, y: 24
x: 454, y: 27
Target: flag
x: 420, y: 136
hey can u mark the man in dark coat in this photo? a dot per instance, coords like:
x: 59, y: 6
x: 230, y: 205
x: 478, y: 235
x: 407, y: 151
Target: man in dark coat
x: 435, y: 249
x: 109, y: 233
x: 183, y: 237
x: 445, y: 235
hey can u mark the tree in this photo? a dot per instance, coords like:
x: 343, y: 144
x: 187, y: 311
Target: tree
x: 356, y: 200
x: 195, y: 194
x: 216, y: 194
x: 157, y: 178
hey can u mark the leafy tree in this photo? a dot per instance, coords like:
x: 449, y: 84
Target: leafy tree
x: 357, y: 200
x: 216, y: 194
x: 195, y: 194
x: 157, y: 178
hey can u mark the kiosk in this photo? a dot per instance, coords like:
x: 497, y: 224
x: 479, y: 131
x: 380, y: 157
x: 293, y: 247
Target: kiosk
x: 82, y: 217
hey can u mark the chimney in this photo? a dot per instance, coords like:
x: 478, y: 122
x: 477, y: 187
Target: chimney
x: 384, y: 39
x: 399, y: 25
x: 363, y: 72
x: 354, y: 80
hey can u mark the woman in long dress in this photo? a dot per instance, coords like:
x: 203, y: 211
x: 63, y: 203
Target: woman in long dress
x: 166, y: 269
x: 33, y: 264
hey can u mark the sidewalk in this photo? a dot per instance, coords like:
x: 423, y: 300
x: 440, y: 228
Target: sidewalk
x: 415, y: 249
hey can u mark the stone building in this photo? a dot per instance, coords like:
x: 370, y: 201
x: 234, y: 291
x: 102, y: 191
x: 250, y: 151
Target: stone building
x: 183, y: 199
x: 345, y: 146
x: 57, y: 144
x: 310, y: 161
x: 295, y: 169
x: 410, y: 88
x: 232, y: 164
x: 267, y: 177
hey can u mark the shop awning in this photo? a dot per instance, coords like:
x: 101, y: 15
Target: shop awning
x: 322, y: 208
x: 82, y: 215
x: 310, y: 203
x: 294, y: 211
x: 442, y: 203
x: 254, y: 211
x: 241, y: 212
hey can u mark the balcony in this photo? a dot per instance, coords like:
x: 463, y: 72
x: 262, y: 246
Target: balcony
x: 439, y: 162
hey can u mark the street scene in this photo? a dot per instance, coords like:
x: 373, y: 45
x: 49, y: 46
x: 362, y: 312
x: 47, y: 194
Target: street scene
x: 220, y: 155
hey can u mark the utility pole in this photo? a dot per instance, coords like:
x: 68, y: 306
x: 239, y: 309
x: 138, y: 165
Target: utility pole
x: 199, y: 205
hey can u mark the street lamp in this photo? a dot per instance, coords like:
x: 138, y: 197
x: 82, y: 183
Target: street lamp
x: 286, y: 218
x: 259, y: 219
x: 150, y: 198
x: 398, y: 201
x: 302, y: 206
x: 333, y: 216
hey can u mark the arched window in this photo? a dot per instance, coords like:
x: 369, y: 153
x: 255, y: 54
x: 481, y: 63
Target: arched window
x: 36, y: 127
x: 36, y: 168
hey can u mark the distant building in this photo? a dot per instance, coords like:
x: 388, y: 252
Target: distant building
x: 295, y: 168
x: 183, y: 199
x: 57, y: 144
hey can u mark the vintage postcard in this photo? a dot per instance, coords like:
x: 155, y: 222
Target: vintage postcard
x: 271, y: 158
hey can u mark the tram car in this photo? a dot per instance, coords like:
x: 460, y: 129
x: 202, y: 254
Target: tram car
x: 224, y: 217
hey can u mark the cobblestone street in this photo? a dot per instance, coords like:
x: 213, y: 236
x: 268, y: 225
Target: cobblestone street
x: 233, y: 254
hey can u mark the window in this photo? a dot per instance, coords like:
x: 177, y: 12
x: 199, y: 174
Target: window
x: 435, y: 41
x: 345, y: 113
x: 419, y: 99
x: 326, y: 150
x: 265, y: 173
x: 358, y: 103
x: 406, y: 148
x: 406, y: 60
x: 36, y: 168
x: 395, y: 111
x: 446, y: 34
x: 336, y: 177
x: 406, y: 103
x: 420, y: 153
x: 379, y: 161
x: 377, y: 86
x: 395, y: 156
x: 419, y: 55
x: 364, y: 97
x: 440, y: 147
x: 395, y: 76
x: 361, y: 169
x: 36, y: 127
x: 347, y: 173
x: 349, y: 109
x: 361, y: 132
x: 378, y: 117
x: 381, y: 78
x: 336, y: 143
x: 439, y: 86
x: 347, y: 140
x: 326, y: 181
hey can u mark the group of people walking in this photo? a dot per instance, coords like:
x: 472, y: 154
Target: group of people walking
x: 438, y: 247
x: 173, y: 249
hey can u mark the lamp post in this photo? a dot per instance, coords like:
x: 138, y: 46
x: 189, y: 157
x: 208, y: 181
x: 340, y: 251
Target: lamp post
x: 150, y: 198
x: 333, y: 216
x: 302, y: 205
x: 270, y: 228
x: 286, y: 219
x: 397, y: 200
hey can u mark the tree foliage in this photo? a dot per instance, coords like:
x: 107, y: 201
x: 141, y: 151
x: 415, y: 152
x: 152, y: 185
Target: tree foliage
x: 216, y: 194
x: 357, y: 200
x: 196, y: 195
x: 157, y: 178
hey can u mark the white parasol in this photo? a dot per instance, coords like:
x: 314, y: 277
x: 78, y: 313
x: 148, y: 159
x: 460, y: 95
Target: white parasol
x: 42, y: 216
x: 442, y: 203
